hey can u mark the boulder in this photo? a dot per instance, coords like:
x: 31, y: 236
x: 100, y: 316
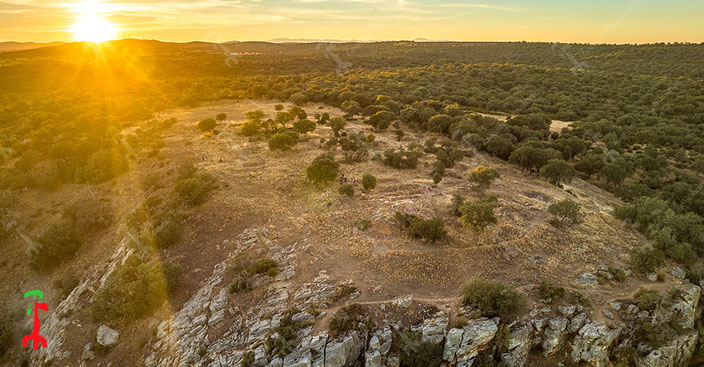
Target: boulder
x: 587, y: 279
x: 106, y: 336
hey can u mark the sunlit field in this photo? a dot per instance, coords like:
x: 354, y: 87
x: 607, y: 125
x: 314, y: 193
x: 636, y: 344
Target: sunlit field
x: 327, y: 183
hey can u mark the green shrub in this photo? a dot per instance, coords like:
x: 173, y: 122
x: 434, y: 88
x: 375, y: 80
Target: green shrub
x: 429, y: 230
x: 221, y: 116
x: 323, y: 169
x: 90, y: 214
x: 363, y: 224
x: 346, y: 189
x: 283, y: 140
x: 549, y: 291
x: 56, y: 245
x: 262, y: 266
x: 342, y: 291
x: 369, y: 182
x: 207, y: 124
x: 649, y: 300
x: 349, y: 318
x: 477, y: 214
x: 415, y: 353
x: 239, y: 285
x: 401, y: 159
x: 133, y: 291
x: 287, y: 332
x: 493, y: 298
x: 647, y: 259
x: 482, y: 177
x: 563, y: 210
x: 557, y: 171
x: 194, y: 190
x: 304, y: 126
x: 167, y: 231
x: 247, y: 358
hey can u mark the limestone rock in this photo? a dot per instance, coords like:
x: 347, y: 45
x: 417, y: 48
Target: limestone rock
x: 434, y: 328
x: 554, y: 335
x: 518, y: 347
x: 462, y: 345
x: 587, y: 279
x: 106, y: 336
x: 676, y: 353
x: 592, y: 343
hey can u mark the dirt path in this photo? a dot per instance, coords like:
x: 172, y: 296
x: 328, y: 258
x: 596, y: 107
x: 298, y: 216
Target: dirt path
x: 556, y: 126
x: 449, y: 304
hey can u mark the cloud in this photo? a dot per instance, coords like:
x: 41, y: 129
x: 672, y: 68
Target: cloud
x: 479, y: 6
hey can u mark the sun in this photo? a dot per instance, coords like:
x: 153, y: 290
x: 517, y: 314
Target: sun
x: 91, y: 24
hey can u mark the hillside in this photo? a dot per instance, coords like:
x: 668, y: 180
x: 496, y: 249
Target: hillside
x: 196, y: 216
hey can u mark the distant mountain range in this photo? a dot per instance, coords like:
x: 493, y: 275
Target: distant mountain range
x: 309, y: 40
x: 19, y: 46
x: 22, y: 46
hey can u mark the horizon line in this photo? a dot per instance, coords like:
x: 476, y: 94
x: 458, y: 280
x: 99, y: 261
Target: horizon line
x: 329, y: 40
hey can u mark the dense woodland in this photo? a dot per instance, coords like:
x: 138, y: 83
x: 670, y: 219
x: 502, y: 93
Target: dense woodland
x: 638, y: 114
x: 639, y: 109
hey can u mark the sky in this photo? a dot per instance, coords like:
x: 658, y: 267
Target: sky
x: 585, y: 21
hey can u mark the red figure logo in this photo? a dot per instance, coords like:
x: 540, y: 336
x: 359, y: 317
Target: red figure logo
x: 34, y: 336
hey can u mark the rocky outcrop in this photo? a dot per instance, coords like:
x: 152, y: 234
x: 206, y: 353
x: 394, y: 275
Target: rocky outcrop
x: 62, y: 316
x: 592, y: 343
x: 377, y: 354
x: 463, y: 345
x: 676, y: 353
x: 518, y: 346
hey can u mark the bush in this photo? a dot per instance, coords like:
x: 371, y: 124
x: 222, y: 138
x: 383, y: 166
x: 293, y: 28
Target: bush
x: 221, y: 116
x: 57, y: 244
x: 368, y: 181
x: 262, y: 266
x: 429, y: 230
x: 250, y: 128
x: 647, y: 259
x: 483, y: 176
x: 207, y: 124
x: 401, y: 159
x: 283, y: 140
x: 167, y: 231
x: 348, y: 318
x: 287, y: 331
x: 563, y: 210
x: 549, y: 291
x: 194, y: 190
x: 90, y: 214
x: 557, y: 171
x: 493, y: 298
x: 303, y: 126
x: 363, y: 224
x: 415, y: 353
x: 323, y: 169
x: 346, y: 189
x: 477, y: 214
x: 133, y: 291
